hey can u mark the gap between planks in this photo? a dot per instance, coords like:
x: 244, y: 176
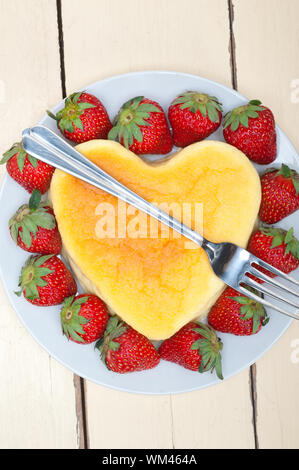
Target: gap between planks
x: 79, y: 383
x: 233, y: 64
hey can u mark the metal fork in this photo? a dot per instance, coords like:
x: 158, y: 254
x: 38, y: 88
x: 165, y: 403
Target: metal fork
x: 231, y: 263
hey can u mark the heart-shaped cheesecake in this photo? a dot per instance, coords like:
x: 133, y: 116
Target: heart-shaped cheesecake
x: 153, y: 280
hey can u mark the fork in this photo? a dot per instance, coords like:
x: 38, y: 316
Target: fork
x: 231, y: 263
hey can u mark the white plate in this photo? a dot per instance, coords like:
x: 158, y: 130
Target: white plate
x: 44, y: 323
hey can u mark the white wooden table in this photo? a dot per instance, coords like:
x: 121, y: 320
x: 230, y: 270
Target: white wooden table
x: 50, y: 48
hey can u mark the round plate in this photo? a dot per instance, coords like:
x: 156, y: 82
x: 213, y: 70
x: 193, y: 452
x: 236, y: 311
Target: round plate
x: 44, y: 322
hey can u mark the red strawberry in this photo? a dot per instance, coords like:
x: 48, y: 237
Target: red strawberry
x: 45, y: 281
x: 195, y: 347
x: 34, y: 228
x: 27, y: 170
x: 237, y: 314
x: 251, y: 128
x: 83, y: 118
x: 142, y: 127
x: 277, y: 247
x: 193, y: 117
x: 280, y: 194
x: 125, y: 350
x: 84, y: 318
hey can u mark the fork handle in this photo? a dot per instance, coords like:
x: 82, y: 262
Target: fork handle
x: 45, y: 145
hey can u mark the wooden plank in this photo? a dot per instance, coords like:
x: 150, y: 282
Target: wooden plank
x: 37, y: 394
x: 107, y: 37
x: 267, y: 37
x: 202, y: 419
x: 277, y: 385
x: 127, y: 421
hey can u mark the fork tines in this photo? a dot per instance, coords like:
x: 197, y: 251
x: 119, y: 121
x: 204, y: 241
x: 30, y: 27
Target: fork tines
x: 256, y: 263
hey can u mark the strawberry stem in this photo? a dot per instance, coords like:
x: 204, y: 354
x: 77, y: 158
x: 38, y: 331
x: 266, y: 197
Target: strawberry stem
x: 240, y: 115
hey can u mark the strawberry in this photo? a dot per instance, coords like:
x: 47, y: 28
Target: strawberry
x: 27, y: 170
x: 45, y: 281
x: 280, y: 194
x: 83, y: 118
x: 251, y: 128
x: 237, y: 314
x: 277, y: 247
x: 123, y: 349
x: 34, y: 228
x: 193, y: 117
x: 84, y: 318
x: 142, y: 127
x: 195, y: 347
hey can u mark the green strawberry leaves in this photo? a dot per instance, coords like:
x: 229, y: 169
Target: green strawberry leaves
x: 292, y: 244
x: 17, y: 149
x: 209, y: 347
x: 71, y: 321
x: 32, y: 160
x: 9, y: 153
x: 115, y: 328
x: 21, y: 159
x: 250, y: 309
x: 35, y: 200
x: 32, y: 276
x: 132, y: 115
x: 285, y: 171
x: 296, y: 184
x: 29, y: 218
x: 241, y: 115
x: 281, y: 237
x: 206, y: 104
x: 68, y: 118
x: 288, y: 173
